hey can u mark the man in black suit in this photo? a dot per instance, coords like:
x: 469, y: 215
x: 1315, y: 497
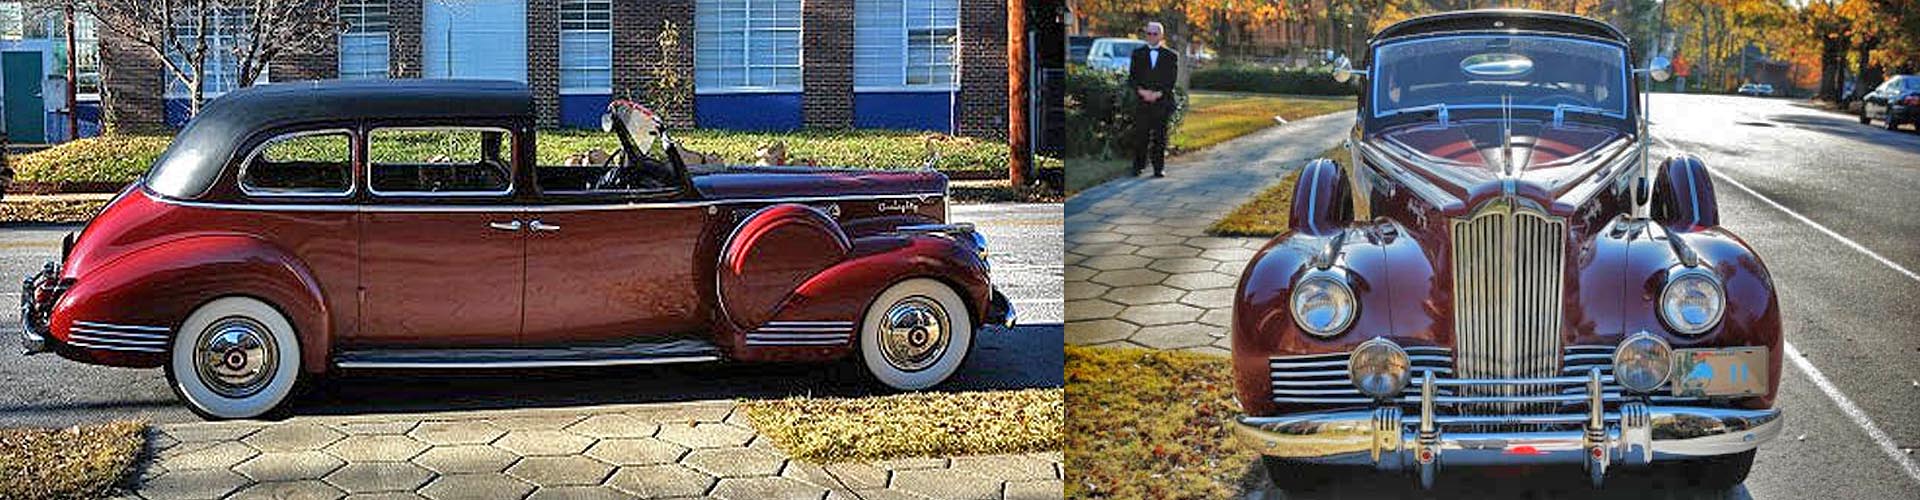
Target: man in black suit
x: 1152, y: 74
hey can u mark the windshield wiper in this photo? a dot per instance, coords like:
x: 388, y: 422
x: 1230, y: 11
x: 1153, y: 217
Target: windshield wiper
x: 1560, y: 112
x: 1439, y: 107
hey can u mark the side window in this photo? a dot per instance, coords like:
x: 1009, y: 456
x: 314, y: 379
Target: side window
x: 594, y: 163
x: 315, y: 163
x: 439, y: 160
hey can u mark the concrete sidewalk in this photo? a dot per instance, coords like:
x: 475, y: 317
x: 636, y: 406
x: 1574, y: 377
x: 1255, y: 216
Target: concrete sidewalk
x: 699, y: 449
x: 1141, y: 271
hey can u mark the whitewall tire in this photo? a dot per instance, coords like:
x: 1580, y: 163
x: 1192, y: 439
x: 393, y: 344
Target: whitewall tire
x: 915, y: 335
x: 235, y: 357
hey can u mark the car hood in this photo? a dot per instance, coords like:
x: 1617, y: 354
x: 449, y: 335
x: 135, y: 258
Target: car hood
x: 1465, y: 156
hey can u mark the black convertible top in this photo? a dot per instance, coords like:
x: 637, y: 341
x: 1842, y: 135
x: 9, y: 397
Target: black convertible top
x: 1501, y: 20
x: 211, y: 140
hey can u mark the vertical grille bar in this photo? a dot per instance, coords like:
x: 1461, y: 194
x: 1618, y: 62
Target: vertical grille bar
x: 1508, y: 270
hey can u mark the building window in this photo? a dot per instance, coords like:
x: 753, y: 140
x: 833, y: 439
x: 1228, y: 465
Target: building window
x: 586, y: 46
x: 86, y: 51
x: 13, y: 21
x: 746, y: 46
x: 225, y: 36
x: 363, y: 47
x: 905, y: 44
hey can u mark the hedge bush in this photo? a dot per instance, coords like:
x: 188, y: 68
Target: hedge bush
x: 1271, y: 80
x: 123, y: 158
x: 1100, y: 108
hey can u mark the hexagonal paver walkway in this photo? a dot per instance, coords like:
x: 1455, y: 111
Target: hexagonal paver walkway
x: 1141, y: 270
x: 674, y: 450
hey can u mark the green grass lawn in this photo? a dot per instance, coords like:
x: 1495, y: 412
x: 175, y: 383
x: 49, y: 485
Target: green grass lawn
x: 1266, y: 214
x: 1214, y: 117
x: 119, y: 159
x: 1151, y: 424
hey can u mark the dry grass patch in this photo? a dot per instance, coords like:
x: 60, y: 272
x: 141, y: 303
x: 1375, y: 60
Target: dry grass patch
x: 1150, y: 424
x: 921, y: 424
x: 53, y: 210
x: 82, y: 461
x: 1266, y: 214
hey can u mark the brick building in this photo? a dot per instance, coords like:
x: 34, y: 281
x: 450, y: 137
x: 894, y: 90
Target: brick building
x: 735, y: 64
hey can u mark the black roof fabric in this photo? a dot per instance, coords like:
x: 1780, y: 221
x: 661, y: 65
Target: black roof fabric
x: 210, y: 141
x: 1510, y: 20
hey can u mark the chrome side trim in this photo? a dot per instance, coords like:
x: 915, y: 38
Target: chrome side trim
x: 410, y: 365
x: 89, y: 345
x: 116, y: 341
x: 534, y: 208
x: 124, y: 335
x: 115, y: 326
x: 1422, y: 188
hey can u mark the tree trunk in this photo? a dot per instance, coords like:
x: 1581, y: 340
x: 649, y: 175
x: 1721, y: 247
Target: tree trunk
x: 1020, y: 149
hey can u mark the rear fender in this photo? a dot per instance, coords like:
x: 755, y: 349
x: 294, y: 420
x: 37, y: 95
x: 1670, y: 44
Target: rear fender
x: 159, y: 286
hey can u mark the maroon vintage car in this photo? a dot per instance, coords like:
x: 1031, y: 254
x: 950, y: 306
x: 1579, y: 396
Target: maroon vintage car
x: 292, y: 229
x: 1499, y: 278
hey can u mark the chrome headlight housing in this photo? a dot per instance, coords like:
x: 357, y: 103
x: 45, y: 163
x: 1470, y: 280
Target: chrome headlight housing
x: 1323, y: 304
x: 1379, y: 368
x: 1692, y: 301
x: 1642, y: 362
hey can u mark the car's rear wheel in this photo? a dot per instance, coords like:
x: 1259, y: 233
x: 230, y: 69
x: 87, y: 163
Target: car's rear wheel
x: 915, y: 335
x: 1717, y: 473
x: 1864, y: 120
x: 235, y: 357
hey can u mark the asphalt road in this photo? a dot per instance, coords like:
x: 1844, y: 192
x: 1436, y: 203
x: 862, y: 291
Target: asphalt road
x: 1024, y: 239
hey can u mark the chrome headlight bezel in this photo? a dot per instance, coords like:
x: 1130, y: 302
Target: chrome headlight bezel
x: 1379, y: 368
x: 1673, y: 318
x: 1336, y: 285
x: 1638, y: 348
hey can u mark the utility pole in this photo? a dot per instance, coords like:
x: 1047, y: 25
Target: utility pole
x: 73, y: 73
x: 1019, y: 141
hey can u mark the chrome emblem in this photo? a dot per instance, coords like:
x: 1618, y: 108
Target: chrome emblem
x: 902, y: 206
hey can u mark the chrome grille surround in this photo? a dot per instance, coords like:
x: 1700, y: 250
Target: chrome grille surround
x: 1508, y: 267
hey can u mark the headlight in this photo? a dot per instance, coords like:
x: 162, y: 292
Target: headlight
x: 1378, y: 368
x: 1642, y: 362
x: 1323, y: 305
x: 1692, y: 301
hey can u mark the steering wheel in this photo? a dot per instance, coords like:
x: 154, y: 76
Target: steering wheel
x: 612, y: 180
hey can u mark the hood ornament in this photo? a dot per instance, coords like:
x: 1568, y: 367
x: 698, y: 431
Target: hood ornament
x: 1506, y: 134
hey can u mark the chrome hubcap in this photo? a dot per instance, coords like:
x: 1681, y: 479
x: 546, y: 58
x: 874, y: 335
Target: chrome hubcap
x: 914, y: 334
x: 236, y: 357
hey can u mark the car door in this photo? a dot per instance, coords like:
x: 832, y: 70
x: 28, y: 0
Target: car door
x: 611, y: 256
x: 442, y: 246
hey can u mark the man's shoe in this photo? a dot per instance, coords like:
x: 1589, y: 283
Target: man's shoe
x: 1157, y: 174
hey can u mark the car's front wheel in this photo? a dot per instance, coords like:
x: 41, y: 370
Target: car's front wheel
x: 235, y: 357
x: 915, y: 334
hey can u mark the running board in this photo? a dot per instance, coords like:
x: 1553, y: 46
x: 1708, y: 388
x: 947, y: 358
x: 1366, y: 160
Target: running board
x: 641, y: 353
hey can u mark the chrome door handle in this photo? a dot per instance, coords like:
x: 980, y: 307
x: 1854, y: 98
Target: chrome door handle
x: 505, y: 226
x: 542, y: 226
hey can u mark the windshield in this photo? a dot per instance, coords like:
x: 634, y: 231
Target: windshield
x: 1476, y: 72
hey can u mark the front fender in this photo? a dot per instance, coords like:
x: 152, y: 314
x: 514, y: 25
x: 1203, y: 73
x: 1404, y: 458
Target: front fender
x: 162, y: 284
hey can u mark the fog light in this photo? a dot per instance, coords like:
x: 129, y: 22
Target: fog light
x: 1379, y: 368
x: 1642, y: 362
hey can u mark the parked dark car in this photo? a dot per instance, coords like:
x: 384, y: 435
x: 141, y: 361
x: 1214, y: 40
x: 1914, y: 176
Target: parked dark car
x: 1501, y: 276
x: 1077, y: 47
x: 1894, y: 103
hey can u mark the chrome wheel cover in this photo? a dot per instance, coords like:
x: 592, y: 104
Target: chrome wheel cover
x: 235, y: 356
x: 914, y: 333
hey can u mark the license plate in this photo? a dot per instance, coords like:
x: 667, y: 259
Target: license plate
x: 1737, y: 371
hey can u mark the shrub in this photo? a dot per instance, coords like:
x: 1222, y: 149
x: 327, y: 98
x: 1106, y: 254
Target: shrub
x: 119, y: 159
x: 1100, y: 108
x: 1270, y: 80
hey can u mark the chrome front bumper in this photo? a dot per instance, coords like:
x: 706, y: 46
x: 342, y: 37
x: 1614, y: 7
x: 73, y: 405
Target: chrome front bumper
x: 1635, y: 434
x: 33, y: 335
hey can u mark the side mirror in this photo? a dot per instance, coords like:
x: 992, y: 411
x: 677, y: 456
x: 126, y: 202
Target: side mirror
x: 1343, y: 70
x: 1659, y: 69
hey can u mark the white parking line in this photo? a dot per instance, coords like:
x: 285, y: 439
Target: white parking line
x: 1859, y: 417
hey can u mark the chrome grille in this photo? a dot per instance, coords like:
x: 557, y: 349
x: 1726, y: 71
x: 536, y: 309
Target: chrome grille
x: 1507, y: 273
x: 1323, y: 378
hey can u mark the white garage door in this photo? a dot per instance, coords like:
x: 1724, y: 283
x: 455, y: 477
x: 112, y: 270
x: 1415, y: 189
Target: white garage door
x: 485, y: 39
